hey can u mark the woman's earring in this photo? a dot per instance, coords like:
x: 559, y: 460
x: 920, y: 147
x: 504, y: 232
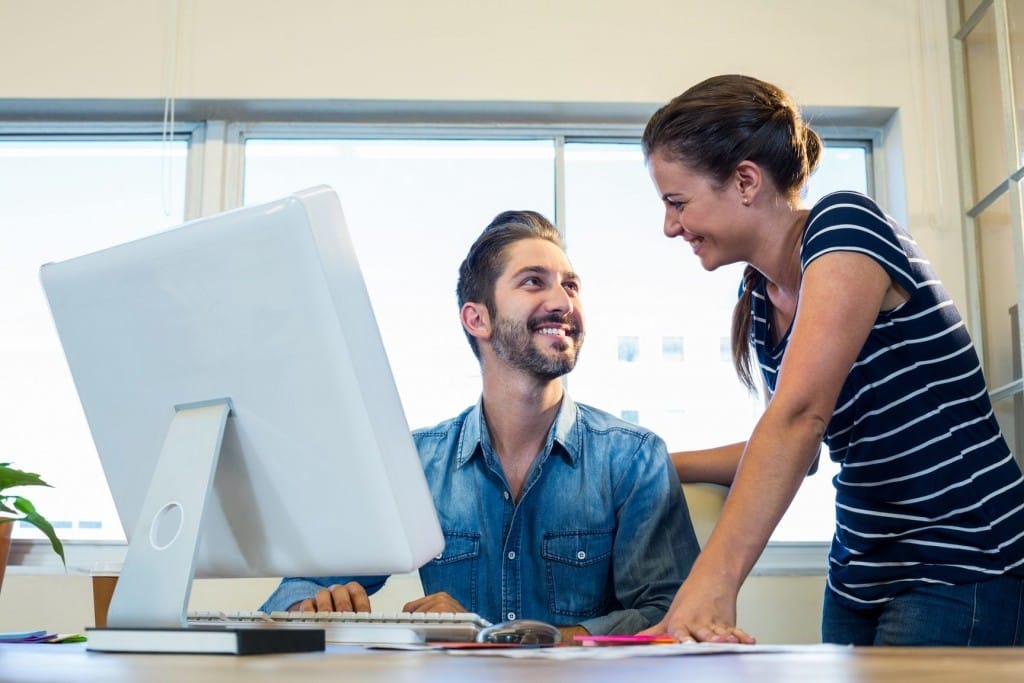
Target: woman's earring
x: 746, y: 202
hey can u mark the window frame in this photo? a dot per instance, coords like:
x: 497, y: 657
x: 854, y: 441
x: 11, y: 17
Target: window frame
x: 1008, y: 186
x: 217, y: 132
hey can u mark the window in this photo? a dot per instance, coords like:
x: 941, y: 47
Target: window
x: 657, y: 349
x: 413, y: 207
x: 638, y: 287
x: 60, y: 198
x: 635, y: 279
x: 988, y: 49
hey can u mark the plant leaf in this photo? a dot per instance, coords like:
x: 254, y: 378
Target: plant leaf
x: 11, y: 477
x: 40, y: 522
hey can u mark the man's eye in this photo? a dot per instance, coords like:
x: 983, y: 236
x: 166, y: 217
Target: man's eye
x: 675, y: 204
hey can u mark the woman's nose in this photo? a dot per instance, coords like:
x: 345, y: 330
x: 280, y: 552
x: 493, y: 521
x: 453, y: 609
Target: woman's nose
x: 673, y: 226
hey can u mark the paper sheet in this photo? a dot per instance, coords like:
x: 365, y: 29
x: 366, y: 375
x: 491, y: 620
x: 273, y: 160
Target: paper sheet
x: 624, y: 651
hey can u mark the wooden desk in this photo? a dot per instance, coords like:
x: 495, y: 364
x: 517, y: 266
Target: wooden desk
x: 57, y: 663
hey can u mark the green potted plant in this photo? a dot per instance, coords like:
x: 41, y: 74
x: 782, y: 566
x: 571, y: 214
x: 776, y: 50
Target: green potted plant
x: 14, y: 508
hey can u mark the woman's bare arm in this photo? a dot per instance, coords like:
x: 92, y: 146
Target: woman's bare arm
x: 715, y: 465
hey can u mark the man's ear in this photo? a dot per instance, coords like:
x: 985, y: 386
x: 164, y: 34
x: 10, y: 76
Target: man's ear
x: 476, y: 320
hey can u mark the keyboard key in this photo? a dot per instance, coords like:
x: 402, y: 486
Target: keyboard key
x: 357, y: 627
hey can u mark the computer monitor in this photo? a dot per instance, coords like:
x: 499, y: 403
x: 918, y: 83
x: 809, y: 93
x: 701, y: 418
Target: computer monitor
x: 238, y: 392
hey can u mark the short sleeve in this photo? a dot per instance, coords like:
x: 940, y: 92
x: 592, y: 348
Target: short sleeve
x: 852, y: 222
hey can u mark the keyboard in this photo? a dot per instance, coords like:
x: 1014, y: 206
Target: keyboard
x: 357, y: 627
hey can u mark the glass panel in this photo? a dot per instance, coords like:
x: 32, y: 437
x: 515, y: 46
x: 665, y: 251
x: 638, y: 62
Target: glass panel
x: 843, y: 166
x: 653, y: 291
x: 59, y: 200
x: 988, y: 138
x: 638, y: 298
x: 998, y: 295
x: 655, y: 369
x: 1015, y: 19
x: 414, y: 207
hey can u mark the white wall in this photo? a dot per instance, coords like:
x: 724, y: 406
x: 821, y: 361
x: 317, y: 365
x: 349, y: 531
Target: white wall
x: 869, y: 53
x: 826, y: 53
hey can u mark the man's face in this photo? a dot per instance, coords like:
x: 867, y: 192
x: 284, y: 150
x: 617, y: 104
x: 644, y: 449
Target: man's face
x: 538, y: 324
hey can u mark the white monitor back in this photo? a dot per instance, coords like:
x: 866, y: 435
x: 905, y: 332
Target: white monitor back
x: 265, y: 306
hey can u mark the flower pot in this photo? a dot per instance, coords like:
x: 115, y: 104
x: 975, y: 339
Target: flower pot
x: 5, y: 547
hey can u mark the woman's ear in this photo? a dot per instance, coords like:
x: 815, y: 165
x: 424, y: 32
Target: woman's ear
x: 748, y: 180
x: 476, y: 320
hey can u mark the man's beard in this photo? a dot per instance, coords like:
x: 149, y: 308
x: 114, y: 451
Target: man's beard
x: 513, y: 342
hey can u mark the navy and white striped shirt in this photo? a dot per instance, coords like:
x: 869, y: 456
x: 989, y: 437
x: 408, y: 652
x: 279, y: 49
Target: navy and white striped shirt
x: 928, y: 491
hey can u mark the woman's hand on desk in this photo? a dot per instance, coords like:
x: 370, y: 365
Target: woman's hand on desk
x: 701, y: 613
x: 350, y: 597
x: 435, y: 602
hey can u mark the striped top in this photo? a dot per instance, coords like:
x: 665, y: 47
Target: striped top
x: 927, y: 491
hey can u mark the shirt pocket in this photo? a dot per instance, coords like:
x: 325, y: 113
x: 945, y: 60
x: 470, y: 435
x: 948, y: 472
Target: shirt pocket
x: 454, y: 570
x: 578, y: 569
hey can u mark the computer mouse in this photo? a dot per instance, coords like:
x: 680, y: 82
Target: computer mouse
x: 521, y: 632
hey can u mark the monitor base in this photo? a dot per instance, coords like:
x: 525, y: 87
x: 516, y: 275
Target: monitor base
x: 202, y: 640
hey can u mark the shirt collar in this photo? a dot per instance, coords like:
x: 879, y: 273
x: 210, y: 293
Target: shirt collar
x: 564, y: 436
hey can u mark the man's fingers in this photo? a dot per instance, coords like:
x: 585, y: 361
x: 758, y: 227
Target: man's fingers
x: 341, y: 599
x: 358, y: 598
x: 435, y: 602
x: 322, y: 600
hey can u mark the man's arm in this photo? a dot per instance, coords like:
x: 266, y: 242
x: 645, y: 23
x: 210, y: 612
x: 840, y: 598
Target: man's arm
x: 655, y: 544
x: 293, y: 590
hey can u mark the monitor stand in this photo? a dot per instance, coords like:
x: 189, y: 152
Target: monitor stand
x: 148, y: 609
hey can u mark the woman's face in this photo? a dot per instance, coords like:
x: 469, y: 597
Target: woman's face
x: 698, y: 211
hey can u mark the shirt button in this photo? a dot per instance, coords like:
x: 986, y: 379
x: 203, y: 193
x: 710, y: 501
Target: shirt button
x: 511, y: 616
x: 581, y: 555
x: 511, y: 554
x: 506, y: 495
x: 438, y: 556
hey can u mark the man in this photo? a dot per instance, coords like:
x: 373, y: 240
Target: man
x: 551, y: 510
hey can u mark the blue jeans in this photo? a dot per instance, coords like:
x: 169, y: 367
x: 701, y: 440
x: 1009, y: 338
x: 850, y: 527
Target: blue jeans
x: 990, y: 613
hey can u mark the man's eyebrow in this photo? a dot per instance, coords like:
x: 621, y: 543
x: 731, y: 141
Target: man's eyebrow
x: 566, y: 275
x: 530, y: 269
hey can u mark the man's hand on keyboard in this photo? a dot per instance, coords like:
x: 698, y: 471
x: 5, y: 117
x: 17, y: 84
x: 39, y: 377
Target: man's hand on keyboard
x: 350, y: 597
x: 435, y: 602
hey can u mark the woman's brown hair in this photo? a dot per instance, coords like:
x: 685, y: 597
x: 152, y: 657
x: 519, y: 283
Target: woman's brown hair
x: 714, y: 126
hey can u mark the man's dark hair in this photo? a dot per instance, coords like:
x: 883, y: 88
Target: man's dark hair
x: 487, y: 257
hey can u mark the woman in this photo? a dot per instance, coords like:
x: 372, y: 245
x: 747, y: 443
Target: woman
x: 860, y: 347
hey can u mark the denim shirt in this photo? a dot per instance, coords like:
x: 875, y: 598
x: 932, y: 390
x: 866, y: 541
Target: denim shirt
x: 601, y: 535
